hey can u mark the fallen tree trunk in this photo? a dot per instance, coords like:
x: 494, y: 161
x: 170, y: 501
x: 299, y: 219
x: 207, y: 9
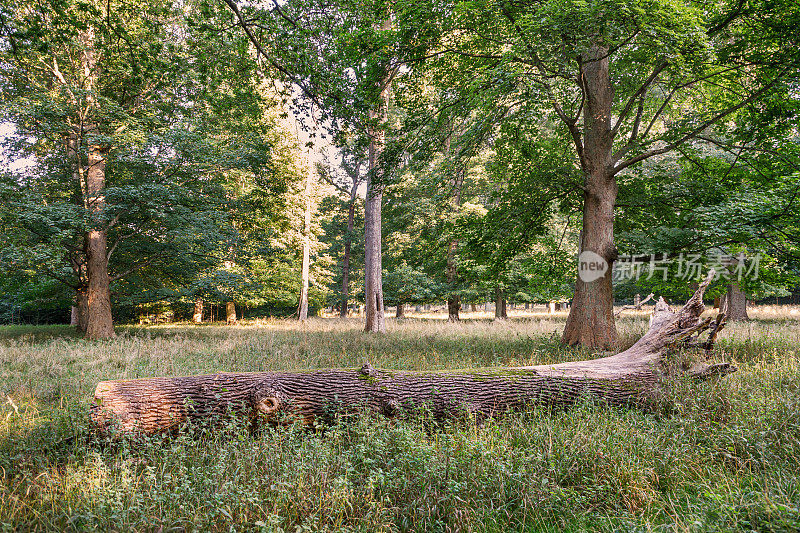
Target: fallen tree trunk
x: 634, y: 376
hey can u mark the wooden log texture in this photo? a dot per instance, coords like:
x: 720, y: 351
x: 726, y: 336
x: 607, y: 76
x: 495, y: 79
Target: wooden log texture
x: 634, y: 376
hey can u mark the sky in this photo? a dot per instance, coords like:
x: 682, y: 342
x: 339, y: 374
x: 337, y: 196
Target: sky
x: 15, y: 165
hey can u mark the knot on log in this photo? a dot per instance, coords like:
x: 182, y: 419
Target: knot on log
x: 391, y: 407
x: 268, y: 406
x: 368, y: 371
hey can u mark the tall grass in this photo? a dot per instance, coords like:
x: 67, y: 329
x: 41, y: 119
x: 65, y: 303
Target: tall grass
x: 723, y: 456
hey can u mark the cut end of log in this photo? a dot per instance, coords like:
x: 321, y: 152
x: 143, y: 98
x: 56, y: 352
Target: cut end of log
x: 268, y: 406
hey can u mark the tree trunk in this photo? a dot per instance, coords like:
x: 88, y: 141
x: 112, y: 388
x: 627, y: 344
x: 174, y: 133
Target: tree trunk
x: 373, y: 278
x: 551, y: 307
x: 453, y: 307
x: 636, y: 376
x: 230, y: 312
x: 735, y: 302
x: 591, y: 318
x: 302, y: 313
x: 197, y: 317
x: 453, y: 298
x: 473, y: 308
x: 401, y: 311
x: 82, y: 307
x: 99, y: 323
x: 500, y: 305
x: 373, y: 281
x: 351, y: 212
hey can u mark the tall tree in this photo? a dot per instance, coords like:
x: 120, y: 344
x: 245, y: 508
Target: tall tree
x: 373, y: 264
x: 626, y: 81
x: 117, y: 106
x: 302, y: 313
x: 338, y: 60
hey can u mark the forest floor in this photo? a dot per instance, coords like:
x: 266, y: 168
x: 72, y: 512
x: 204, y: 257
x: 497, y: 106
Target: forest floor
x: 722, y: 455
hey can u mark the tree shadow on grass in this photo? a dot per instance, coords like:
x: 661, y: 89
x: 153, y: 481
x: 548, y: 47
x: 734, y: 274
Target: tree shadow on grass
x: 31, y: 333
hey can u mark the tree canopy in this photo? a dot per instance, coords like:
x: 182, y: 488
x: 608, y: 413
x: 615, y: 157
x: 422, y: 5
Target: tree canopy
x: 443, y: 151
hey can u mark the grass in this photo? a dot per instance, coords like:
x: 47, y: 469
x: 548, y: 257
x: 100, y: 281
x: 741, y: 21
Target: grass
x: 724, y: 457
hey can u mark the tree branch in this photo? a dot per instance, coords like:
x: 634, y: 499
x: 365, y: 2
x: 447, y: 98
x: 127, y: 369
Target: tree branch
x: 639, y: 94
x: 699, y: 129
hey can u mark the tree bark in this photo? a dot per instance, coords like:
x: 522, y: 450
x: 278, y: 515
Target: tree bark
x: 373, y: 280
x: 373, y: 275
x: 453, y: 307
x: 401, y: 311
x: 230, y: 312
x: 735, y: 302
x: 197, y: 317
x: 82, y: 307
x: 500, y: 305
x: 591, y: 318
x: 636, y: 376
x: 99, y: 322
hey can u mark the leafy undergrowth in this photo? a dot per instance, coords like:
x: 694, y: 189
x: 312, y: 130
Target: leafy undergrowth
x: 724, y: 455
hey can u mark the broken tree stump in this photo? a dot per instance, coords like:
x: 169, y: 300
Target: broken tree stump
x: 637, y: 305
x: 634, y: 376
